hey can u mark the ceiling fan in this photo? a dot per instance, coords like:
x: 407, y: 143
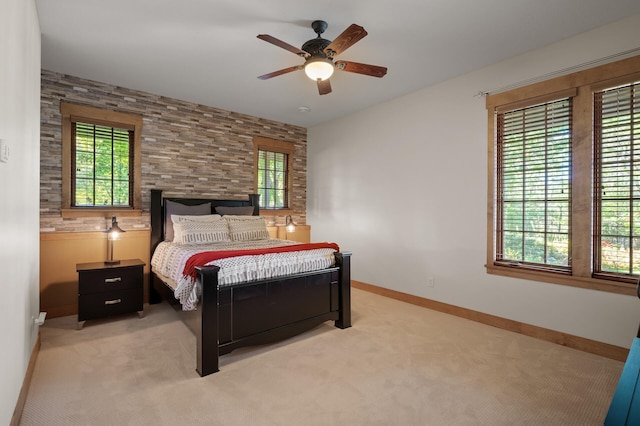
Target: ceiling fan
x: 319, y: 55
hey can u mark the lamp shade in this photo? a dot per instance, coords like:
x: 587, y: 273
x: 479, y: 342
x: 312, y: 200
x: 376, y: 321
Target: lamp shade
x: 115, y: 230
x: 318, y: 68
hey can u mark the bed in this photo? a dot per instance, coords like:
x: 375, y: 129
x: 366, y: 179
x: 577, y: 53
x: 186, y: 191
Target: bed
x: 256, y: 310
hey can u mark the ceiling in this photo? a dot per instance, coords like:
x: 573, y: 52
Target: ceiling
x: 207, y: 52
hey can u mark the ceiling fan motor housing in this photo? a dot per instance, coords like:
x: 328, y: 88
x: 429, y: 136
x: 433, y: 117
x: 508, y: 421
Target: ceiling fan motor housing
x: 316, y: 46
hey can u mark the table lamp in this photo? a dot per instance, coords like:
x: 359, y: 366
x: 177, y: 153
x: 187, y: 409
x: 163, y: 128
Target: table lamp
x: 112, y: 234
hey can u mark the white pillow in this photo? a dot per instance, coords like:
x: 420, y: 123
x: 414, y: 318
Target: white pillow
x: 247, y: 228
x: 172, y: 207
x: 201, y: 232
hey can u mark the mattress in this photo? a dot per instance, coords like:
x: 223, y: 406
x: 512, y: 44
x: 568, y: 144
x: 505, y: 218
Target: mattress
x: 169, y: 260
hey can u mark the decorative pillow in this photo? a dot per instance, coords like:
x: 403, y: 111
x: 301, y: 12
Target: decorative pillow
x: 201, y: 232
x: 235, y: 210
x: 247, y: 228
x: 174, y: 208
x: 175, y: 218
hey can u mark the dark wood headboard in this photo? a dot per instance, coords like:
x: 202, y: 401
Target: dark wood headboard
x: 157, y: 210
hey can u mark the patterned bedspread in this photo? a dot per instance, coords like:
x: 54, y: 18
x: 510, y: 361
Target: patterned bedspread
x: 169, y: 260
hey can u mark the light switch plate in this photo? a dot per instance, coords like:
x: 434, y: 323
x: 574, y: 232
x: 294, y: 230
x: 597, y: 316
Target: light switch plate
x: 4, y: 151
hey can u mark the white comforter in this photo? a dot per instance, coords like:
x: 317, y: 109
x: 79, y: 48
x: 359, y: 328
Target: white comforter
x: 169, y: 260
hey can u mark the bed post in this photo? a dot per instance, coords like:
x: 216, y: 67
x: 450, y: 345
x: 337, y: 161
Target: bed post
x: 254, y: 200
x: 156, y: 237
x: 208, y: 336
x: 343, y: 260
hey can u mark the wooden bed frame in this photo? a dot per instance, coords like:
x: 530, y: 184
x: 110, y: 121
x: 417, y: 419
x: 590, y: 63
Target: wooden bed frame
x: 255, y: 312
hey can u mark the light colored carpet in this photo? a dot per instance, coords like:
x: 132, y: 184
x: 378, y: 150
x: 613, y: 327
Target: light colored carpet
x: 399, y: 364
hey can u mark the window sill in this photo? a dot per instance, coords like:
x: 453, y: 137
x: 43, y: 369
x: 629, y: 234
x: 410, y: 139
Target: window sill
x: 548, y: 277
x: 99, y: 212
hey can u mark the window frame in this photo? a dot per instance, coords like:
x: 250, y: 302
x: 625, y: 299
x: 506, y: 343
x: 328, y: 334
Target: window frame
x: 583, y: 84
x: 72, y: 113
x: 282, y: 147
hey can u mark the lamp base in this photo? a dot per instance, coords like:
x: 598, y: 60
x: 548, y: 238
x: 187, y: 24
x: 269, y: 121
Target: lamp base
x: 111, y: 262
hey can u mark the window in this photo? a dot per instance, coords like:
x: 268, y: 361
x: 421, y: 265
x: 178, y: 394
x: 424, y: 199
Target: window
x: 617, y: 181
x: 100, y: 167
x: 534, y: 151
x: 564, y: 179
x: 273, y: 172
x: 101, y: 162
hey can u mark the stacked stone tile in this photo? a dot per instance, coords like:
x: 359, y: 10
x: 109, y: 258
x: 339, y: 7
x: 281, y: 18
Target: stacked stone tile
x: 187, y: 149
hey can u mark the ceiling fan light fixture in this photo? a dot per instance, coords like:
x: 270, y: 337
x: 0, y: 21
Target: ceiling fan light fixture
x: 319, y: 68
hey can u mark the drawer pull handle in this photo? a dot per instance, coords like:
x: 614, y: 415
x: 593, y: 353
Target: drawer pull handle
x: 112, y: 280
x: 112, y: 302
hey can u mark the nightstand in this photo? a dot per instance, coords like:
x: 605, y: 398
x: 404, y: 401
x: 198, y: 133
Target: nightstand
x: 109, y: 289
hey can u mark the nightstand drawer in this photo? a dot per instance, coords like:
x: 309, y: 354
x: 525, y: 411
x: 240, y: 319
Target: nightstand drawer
x: 103, y: 304
x: 98, y: 281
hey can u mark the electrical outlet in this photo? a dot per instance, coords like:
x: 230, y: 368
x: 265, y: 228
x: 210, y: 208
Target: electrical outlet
x: 431, y: 282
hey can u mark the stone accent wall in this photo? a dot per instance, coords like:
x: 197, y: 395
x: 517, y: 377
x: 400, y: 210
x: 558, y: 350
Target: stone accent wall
x: 187, y: 149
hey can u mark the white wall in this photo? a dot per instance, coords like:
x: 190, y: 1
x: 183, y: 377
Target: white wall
x: 19, y: 195
x: 436, y: 140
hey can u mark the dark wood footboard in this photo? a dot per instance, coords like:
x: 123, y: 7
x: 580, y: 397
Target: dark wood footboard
x: 269, y: 310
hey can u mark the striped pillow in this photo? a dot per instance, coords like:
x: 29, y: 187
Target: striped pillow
x: 199, y: 232
x: 173, y: 208
x: 247, y: 228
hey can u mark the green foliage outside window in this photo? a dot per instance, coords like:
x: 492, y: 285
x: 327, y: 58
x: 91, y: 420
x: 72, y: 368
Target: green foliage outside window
x: 534, y: 199
x: 102, y: 166
x: 535, y: 183
x: 272, y: 179
x: 617, y: 134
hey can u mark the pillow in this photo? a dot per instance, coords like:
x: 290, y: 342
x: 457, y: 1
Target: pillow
x: 239, y: 210
x: 201, y: 232
x: 247, y: 228
x: 176, y: 218
x: 173, y: 208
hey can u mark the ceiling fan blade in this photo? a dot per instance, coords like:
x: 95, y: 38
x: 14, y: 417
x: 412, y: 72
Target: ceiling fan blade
x: 366, y: 69
x: 282, y: 44
x: 324, y: 87
x: 348, y: 38
x: 280, y: 72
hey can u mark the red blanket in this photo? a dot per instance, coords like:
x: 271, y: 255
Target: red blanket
x: 201, y: 259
